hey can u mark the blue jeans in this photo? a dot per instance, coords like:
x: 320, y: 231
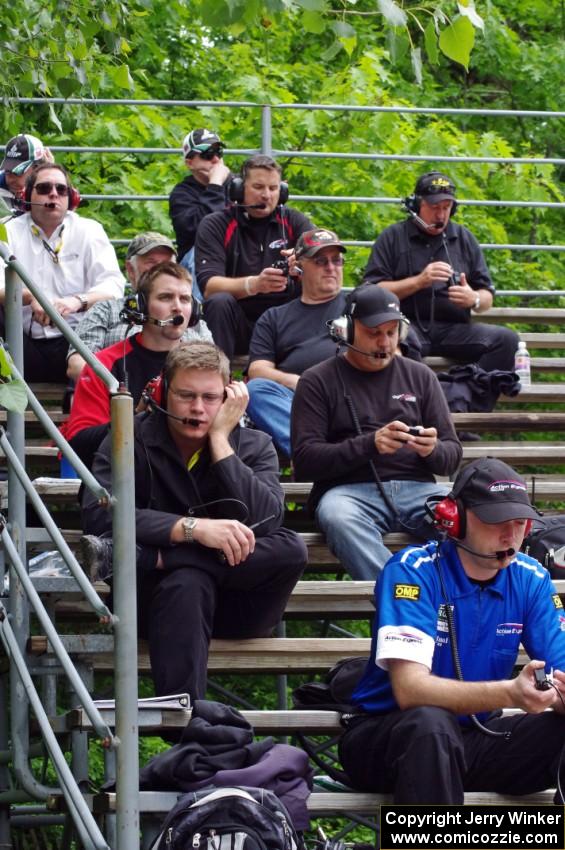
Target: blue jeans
x: 355, y: 516
x: 269, y: 408
x: 188, y: 262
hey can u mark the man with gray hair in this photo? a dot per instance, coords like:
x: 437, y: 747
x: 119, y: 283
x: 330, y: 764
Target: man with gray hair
x: 213, y: 560
x: 103, y: 326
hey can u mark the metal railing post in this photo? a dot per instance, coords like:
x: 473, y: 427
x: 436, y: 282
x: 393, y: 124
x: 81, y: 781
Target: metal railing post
x: 266, y: 131
x: 19, y: 605
x: 125, y: 608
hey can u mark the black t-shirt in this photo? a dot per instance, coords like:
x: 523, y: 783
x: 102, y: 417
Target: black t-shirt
x: 403, y: 250
x: 295, y: 336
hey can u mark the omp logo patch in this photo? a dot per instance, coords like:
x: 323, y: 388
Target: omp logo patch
x: 556, y: 600
x: 407, y: 591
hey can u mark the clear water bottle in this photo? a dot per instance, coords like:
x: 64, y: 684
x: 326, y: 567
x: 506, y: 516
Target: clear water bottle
x: 522, y: 365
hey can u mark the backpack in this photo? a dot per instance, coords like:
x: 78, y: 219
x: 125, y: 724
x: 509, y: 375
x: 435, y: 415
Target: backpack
x: 546, y: 543
x: 228, y: 819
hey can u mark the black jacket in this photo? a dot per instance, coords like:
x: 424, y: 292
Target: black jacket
x: 189, y: 202
x: 166, y: 490
x: 403, y: 250
x: 230, y: 244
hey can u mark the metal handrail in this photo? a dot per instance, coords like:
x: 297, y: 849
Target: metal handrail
x: 22, y: 591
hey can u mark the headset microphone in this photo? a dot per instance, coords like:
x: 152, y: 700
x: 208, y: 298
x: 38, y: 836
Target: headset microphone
x: 150, y: 402
x: 377, y: 355
x: 161, y: 323
x: 437, y: 225
x: 499, y: 555
x: 250, y: 206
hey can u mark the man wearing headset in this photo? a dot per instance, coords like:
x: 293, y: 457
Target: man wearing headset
x: 371, y: 429
x: 450, y: 620
x: 102, y: 325
x: 165, y: 310
x: 236, y: 251
x: 213, y: 560
x: 202, y: 192
x: 69, y: 257
x: 437, y: 269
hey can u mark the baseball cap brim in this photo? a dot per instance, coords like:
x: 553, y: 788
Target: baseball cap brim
x: 433, y: 198
x: 490, y: 513
x: 379, y: 318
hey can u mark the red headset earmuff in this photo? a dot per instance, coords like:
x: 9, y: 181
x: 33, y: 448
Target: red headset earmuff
x: 449, y: 515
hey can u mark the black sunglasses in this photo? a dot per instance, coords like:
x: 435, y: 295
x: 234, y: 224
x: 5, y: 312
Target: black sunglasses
x: 212, y: 152
x: 45, y: 188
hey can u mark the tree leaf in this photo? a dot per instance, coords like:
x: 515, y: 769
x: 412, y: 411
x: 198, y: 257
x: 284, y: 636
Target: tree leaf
x: 54, y: 119
x: 5, y: 364
x: 343, y: 30
x: 13, y: 396
x: 416, y: 56
x: 430, y: 40
x: 313, y: 22
x: 393, y: 13
x: 456, y: 41
x: 68, y: 86
x: 122, y: 77
x: 467, y: 8
x: 332, y: 51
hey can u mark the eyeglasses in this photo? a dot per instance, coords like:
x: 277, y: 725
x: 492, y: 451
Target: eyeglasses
x: 212, y: 152
x: 329, y: 261
x: 45, y: 188
x: 188, y: 396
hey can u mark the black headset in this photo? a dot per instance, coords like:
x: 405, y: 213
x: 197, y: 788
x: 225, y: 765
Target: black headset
x: 72, y: 193
x: 236, y: 189
x: 136, y: 310
x: 413, y: 202
x: 347, y: 330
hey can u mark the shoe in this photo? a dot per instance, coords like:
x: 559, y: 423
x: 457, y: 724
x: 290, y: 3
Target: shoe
x: 96, y: 557
x: 468, y: 437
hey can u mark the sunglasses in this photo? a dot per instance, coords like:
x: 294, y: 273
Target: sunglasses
x: 329, y: 261
x: 45, y: 188
x: 212, y: 152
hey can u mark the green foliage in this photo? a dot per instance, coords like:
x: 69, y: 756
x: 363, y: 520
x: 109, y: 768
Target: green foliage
x: 13, y: 394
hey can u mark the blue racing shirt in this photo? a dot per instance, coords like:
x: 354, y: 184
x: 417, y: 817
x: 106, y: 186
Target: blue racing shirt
x: 520, y: 606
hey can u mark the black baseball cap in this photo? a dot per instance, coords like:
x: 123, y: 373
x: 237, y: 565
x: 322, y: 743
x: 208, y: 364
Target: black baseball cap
x: 373, y: 305
x: 435, y: 187
x: 494, y: 491
x: 199, y: 141
x: 21, y: 152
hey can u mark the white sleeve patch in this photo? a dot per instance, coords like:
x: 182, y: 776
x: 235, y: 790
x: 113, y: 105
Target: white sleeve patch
x: 405, y: 643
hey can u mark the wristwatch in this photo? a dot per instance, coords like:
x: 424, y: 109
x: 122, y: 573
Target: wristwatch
x: 188, y: 526
x: 83, y: 302
x: 477, y: 303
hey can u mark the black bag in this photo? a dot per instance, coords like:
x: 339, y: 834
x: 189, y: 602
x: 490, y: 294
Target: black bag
x: 334, y: 694
x: 546, y: 543
x: 238, y: 818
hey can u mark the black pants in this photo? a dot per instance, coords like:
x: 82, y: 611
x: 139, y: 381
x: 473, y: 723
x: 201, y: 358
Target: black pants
x: 182, y: 609
x: 228, y: 324
x: 423, y: 755
x: 45, y: 360
x: 489, y: 346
